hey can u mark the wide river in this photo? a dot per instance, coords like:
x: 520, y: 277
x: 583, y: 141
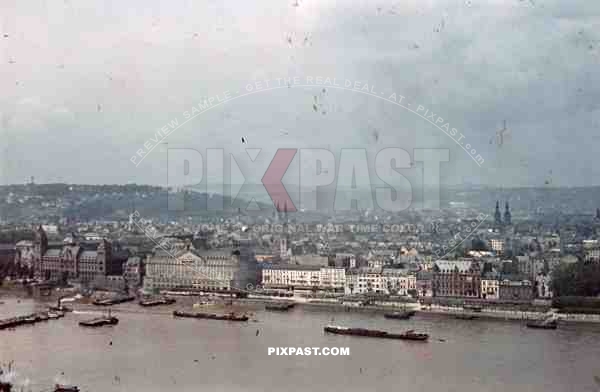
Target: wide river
x: 152, y: 351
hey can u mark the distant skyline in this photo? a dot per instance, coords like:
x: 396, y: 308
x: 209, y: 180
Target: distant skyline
x: 85, y: 85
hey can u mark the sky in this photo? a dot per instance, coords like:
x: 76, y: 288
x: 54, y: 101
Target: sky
x: 85, y: 84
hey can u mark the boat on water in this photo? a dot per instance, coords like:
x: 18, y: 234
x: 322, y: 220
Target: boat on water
x: 282, y: 307
x: 211, y: 316
x: 371, y: 333
x: 465, y: 316
x: 65, y: 388
x: 100, y: 321
x: 403, y: 315
x: 157, y: 302
x: 55, y: 315
x: 60, y: 308
x: 23, y: 320
x: 113, y: 301
x: 473, y: 308
x: 543, y: 324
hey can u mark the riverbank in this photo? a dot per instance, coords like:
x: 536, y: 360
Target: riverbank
x: 488, y: 313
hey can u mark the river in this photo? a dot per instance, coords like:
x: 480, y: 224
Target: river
x: 152, y: 351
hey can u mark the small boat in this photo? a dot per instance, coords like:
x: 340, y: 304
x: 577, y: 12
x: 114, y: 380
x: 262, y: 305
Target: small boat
x: 31, y: 319
x: 210, y: 316
x: 65, y: 388
x: 404, y: 315
x: 465, y: 316
x: 543, y: 324
x: 100, y: 321
x: 474, y: 308
x: 408, y: 335
x: 282, y: 307
x: 43, y: 317
x: 60, y: 308
x: 113, y: 301
x: 55, y: 315
x: 157, y: 302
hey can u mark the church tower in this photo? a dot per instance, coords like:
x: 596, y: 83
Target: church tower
x: 40, y: 247
x: 497, y: 215
x: 507, y: 216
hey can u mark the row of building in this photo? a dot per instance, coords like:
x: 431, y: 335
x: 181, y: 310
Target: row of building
x: 180, y: 266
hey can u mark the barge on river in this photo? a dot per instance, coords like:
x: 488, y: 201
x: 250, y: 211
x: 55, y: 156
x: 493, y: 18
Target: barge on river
x: 371, y: 333
x: 28, y: 319
x: 211, y: 316
x: 543, y: 324
x: 404, y: 315
x: 65, y: 388
x: 100, y: 321
x: 464, y: 316
x: 281, y: 307
x: 113, y: 301
x: 157, y: 302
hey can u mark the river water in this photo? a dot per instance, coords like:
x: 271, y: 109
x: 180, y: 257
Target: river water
x: 152, y: 351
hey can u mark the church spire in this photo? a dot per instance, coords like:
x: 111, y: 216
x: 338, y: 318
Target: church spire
x: 497, y: 215
x: 507, y: 216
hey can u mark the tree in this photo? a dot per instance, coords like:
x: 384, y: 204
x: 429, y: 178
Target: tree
x: 579, y: 279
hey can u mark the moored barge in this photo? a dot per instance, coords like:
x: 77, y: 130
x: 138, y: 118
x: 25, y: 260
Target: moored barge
x: 60, y: 308
x: 473, y: 308
x: 371, y: 333
x: 28, y: 319
x: 462, y: 316
x: 100, y: 321
x: 404, y: 315
x: 211, y: 316
x: 157, y: 302
x: 65, y: 388
x: 281, y: 307
x: 113, y: 301
x: 543, y: 324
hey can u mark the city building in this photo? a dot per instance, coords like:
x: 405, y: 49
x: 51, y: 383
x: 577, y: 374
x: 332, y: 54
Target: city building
x: 544, y: 286
x: 296, y: 278
x: 490, y: 288
x: 193, y: 270
x: 516, y: 290
x: 424, y: 284
x: 457, y: 279
x: 379, y: 280
x: 497, y: 245
x: 133, y: 272
x: 76, y: 259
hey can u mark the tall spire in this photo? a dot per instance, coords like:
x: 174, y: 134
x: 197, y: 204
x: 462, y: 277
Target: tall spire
x: 507, y: 216
x: 497, y: 215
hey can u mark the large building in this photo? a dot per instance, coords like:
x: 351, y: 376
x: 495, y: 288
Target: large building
x: 516, y: 290
x: 296, y: 277
x: 195, y: 270
x: 380, y: 280
x: 456, y: 279
x: 77, y: 259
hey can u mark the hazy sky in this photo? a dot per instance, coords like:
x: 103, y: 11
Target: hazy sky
x: 86, y: 83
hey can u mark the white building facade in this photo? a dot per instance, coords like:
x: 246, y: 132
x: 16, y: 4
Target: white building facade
x: 304, y: 277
